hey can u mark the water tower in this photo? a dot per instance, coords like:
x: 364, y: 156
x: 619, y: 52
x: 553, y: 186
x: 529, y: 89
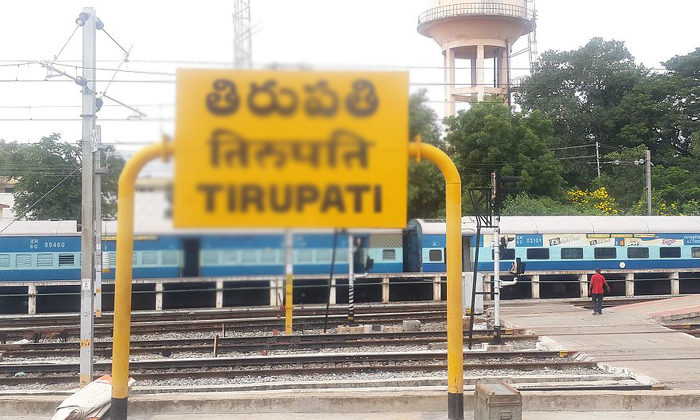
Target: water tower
x: 479, y: 30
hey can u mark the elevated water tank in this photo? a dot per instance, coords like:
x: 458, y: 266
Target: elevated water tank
x: 476, y: 31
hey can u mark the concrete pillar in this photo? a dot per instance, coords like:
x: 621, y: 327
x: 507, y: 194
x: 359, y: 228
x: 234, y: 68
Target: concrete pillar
x: 159, y: 296
x: 450, y: 108
x: 332, y: 298
x: 31, y: 299
x: 503, y: 69
x: 219, y: 294
x: 473, y: 69
x: 385, y: 290
x: 480, y: 72
x: 583, y: 285
x: 487, y: 286
x: 273, y: 292
x: 675, y: 284
x: 629, y: 284
x: 535, y: 285
x: 437, y: 289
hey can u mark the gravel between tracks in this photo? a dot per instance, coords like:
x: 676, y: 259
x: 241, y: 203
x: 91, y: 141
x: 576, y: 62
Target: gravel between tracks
x: 330, y: 378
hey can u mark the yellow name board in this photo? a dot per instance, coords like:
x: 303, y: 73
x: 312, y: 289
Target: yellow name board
x: 291, y: 149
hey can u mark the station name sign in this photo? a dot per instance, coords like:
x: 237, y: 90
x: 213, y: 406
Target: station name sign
x: 291, y: 149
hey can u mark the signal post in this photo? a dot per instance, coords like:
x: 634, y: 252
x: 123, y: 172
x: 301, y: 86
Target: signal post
x: 273, y: 149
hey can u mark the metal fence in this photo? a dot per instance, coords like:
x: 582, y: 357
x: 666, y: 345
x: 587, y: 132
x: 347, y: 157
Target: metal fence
x: 476, y: 9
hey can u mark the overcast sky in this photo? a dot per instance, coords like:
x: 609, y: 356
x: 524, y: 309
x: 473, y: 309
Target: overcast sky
x: 374, y: 34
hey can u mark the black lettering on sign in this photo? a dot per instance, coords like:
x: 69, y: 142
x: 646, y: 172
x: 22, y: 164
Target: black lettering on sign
x: 274, y: 199
x: 306, y: 194
x: 357, y: 191
x: 333, y: 198
x: 224, y: 100
x: 321, y: 101
x: 210, y: 191
x: 288, y: 198
x: 263, y: 100
x: 363, y: 101
x: 230, y: 150
x: 377, y: 198
x: 252, y: 195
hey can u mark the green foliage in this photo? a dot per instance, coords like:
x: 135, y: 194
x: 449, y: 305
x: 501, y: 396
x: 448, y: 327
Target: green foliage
x: 524, y: 205
x: 489, y: 137
x: 48, y: 178
x: 579, y: 91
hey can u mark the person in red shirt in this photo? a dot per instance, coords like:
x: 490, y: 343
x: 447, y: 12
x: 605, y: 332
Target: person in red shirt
x: 596, y: 291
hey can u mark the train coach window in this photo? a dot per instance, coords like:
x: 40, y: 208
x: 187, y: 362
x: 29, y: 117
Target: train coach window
x: 248, y: 256
x: 230, y: 256
x: 670, y: 252
x: 268, y: 256
x: 341, y: 255
x: 4, y: 260
x: 169, y: 258
x: 636, y: 252
x: 68, y: 259
x: 537, y: 253
x: 149, y: 258
x: 324, y: 255
x: 389, y: 255
x: 572, y: 253
x: 695, y: 252
x: 23, y: 260
x: 506, y: 254
x: 304, y: 256
x: 435, y: 255
x: 44, y: 260
x: 604, y: 253
x: 210, y: 257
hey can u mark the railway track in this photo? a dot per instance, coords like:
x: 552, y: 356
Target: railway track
x: 65, y: 332
x: 294, y: 364
x: 168, y: 347
x: 213, y: 314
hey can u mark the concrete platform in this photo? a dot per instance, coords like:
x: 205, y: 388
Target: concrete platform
x: 533, y: 415
x: 418, y: 403
x: 626, y: 337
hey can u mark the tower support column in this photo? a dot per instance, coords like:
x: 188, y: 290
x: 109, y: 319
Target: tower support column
x: 480, y: 88
x: 450, y: 108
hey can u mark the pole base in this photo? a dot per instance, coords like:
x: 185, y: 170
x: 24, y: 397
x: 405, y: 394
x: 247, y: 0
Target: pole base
x: 455, y: 406
x: 118, y: 408
x: 497, y: 340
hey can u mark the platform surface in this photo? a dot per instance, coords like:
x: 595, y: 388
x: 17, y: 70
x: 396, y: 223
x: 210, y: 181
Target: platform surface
x: 533, y: 415
x: 627, y: 337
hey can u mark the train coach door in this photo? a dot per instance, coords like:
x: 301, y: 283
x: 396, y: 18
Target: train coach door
x: 466, y: 254
x: 190, y: 267
x: 412, y: 250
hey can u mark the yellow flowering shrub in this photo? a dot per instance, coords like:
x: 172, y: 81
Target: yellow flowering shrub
x: 598, y: 200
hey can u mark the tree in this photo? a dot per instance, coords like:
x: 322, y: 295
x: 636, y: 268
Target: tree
x: 48, y: 176
x: 524, y: 205
x: 489, y: 137
x: 426, y: 185
x: 580, y: 91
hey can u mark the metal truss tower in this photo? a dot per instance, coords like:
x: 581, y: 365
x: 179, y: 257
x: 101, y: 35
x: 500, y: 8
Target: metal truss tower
x: 242, y: 36
x: 532, y: 36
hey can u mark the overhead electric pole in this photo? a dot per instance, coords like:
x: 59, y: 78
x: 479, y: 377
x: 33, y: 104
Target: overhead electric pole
x: 88, y: 21
x: 647, y: 164
x: 242, y: 35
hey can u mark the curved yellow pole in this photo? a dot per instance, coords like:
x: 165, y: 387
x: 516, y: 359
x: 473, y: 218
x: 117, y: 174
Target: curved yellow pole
x: 122, y: 283
x: 453, y: 195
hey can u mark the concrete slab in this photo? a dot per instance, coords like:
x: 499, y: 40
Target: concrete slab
x: 532, y: 415
x: 625, y: 338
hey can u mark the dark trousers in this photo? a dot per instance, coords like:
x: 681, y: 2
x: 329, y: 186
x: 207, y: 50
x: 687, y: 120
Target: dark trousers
x: 597, y: 302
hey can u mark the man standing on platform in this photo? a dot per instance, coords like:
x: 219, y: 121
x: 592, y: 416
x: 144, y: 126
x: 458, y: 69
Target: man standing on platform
x: 596, y: 291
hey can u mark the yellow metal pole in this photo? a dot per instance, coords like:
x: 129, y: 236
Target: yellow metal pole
x: 122, y: 284
x: 453, y: 193
x: 289, y: 282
